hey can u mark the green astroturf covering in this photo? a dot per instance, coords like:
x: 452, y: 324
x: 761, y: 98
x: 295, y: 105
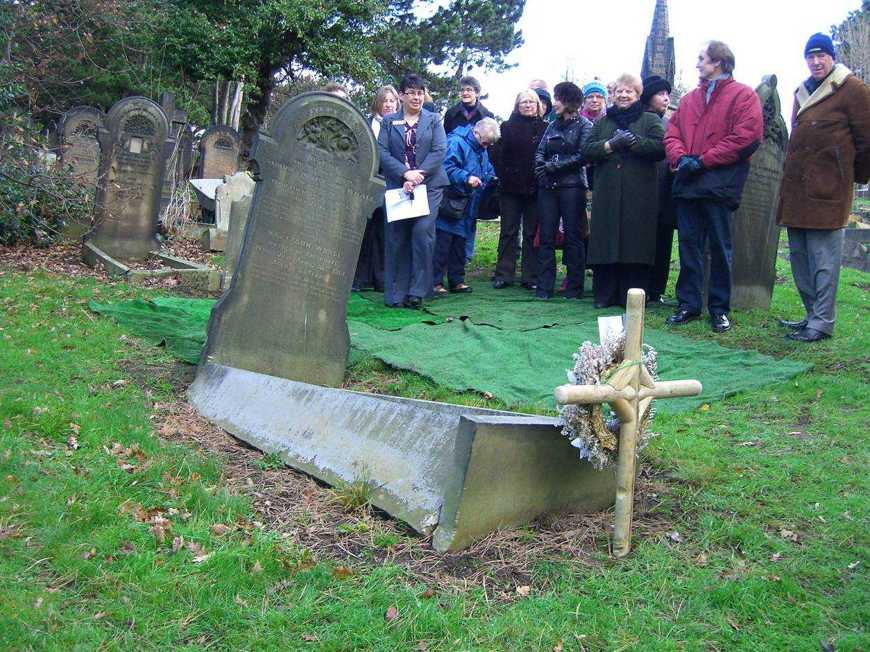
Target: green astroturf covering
x: 502, y: 342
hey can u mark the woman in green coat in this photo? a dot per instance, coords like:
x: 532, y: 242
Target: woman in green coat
x: 624, y: 147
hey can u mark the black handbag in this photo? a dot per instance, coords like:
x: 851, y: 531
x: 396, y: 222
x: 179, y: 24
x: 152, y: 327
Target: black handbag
x: 488, y: 208
x: 453, y: 204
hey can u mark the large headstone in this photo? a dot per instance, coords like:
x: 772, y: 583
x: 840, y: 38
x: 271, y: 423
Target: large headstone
x: 130, y: 178
x: 240, y: 194
x: 284, y: 313
x: 79, y: 146
x: 754, y: 231
x: 219, y: 149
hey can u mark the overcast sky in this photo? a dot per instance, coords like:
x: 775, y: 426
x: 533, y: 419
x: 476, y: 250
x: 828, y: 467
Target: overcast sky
x: 606, y: 37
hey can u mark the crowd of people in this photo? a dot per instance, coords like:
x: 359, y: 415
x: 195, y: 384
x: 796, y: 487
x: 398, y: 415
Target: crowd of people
x: 648, y: 168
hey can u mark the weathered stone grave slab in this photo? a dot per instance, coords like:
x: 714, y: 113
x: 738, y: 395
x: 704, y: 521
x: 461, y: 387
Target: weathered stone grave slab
x: 219, y: 149
x: 79, y: 145
x: 755, y: 233
x: 453, y: 471
x: 241, y: 194
x: 130, y: 178
x: 284, y: 312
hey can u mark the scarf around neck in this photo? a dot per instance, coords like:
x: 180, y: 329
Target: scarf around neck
x: 624, y: 117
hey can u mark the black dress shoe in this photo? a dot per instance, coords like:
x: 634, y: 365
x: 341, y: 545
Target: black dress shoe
x: 682, y: 317
x: 543, y: 296
x: 529, y: 286
x: 720, y: 323
x: 807, y: 334
x: 414, y: 303
x: 499, y: 284
x: 793, y: 325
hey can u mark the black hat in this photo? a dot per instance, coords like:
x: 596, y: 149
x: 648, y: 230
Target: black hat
x: 568, y: 94
x: 652, y: 85
x: 545, y: 98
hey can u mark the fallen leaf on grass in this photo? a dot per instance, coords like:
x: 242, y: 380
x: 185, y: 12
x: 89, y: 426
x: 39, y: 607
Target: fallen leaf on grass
x: 854, y: 565
x: 72, y: 443
x: 38, y: 603
x: 428, y: 593
x: 558, y: 647
x: 120, y: 383
x: 523, y: 591
x: 7, y: 424
x: 701, y: 559
x: 392, y: 614
x: 675, y: 536
x: 39, y: 410
x: 776, y: 556
x: 89, y: 554
x: 257, y: 568
x: 219, y: 529
x: 343, y: 572
x: 177, y: 544
x: 99, y: 614
x: 733, y: 624
x: 198, y: 559
x: 309, y: 637
x: 788, y: 535
x: 76, y: 428
x: 159, y: 533
x: 128, y: 548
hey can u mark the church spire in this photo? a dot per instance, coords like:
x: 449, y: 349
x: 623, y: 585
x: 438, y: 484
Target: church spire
x: 658, y: 56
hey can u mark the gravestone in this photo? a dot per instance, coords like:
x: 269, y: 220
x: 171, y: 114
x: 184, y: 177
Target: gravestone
x: 284, y: 312
x: 240, y: 195
x: 219, y: 149
x: 79, y: 146
x: 755, y: 234
x: 130, y: 178
x: 178, y: 152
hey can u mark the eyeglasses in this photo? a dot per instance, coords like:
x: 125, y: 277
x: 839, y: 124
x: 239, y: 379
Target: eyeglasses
x: 414, y: 93
x: 528, y: 102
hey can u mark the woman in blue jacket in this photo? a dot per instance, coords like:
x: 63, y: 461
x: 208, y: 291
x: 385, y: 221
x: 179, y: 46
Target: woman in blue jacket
x: 412, y: 145
x: 468, y: 167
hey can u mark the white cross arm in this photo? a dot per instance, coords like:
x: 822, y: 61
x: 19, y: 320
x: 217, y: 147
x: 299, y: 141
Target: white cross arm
x: 586, y: 394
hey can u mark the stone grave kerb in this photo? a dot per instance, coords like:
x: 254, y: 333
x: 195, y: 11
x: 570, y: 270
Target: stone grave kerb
x: 284, y: 313
x: 130, y: 178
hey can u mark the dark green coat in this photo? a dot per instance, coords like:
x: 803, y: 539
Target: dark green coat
x: 625, y: 202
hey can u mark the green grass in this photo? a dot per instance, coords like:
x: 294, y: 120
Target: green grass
x: 768, y: 493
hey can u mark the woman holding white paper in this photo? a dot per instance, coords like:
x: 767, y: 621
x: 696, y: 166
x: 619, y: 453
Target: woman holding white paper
x: 412, y: 146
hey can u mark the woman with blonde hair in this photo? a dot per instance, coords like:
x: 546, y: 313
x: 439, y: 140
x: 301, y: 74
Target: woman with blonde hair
x: 624, y: 146
x: 370, y: 264
x: 514, y: 160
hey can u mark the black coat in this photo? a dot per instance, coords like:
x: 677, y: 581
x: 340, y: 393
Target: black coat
x: 562, y: 144
x: 513, y: 156
x: 625, y: 202
x: 455, y: 116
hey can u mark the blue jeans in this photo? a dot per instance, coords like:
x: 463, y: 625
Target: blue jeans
x: 700, y: 221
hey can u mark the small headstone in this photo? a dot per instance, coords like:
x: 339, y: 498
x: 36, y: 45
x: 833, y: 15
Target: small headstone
x: 219, y: 149
x: 79, y: 146
x: 284, y: 313
x: 241, y: 193
x: 755, y: 233
x: 130, y: 178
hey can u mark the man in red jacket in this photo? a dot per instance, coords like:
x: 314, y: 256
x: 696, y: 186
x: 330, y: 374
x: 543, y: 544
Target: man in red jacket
x: 708, y: 143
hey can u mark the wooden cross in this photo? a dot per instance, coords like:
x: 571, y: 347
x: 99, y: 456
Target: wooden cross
x: 629, y: 392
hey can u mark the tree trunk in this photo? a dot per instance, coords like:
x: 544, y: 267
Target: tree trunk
x: 235, y: 112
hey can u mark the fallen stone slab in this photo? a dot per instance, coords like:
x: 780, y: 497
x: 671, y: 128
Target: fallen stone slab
x: 452, y: 471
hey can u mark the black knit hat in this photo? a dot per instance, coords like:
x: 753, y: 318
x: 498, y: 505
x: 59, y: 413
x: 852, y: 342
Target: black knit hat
x: 545, y: 98
x: 569, y: 94
x: 652, y: 85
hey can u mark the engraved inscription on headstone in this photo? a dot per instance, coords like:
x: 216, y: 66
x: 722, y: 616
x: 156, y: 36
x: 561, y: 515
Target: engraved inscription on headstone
x: 284, y: 313
x: 754, y: 231
x: 79, y: 147
x: 219, y: 149
x: 130, y: 177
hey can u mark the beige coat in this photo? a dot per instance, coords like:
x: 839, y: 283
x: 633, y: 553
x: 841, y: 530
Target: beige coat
x: 829, y: 150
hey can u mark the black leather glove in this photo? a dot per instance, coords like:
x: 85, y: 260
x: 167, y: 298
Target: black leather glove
x: 551, y: 166
x: 622, y: 140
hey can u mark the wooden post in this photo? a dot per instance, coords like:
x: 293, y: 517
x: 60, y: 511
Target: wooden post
x: 629, y: 392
